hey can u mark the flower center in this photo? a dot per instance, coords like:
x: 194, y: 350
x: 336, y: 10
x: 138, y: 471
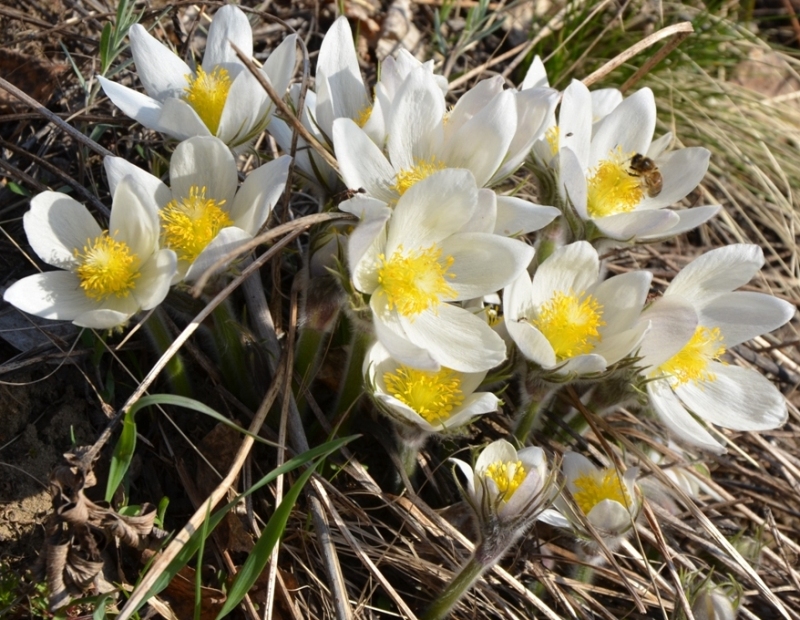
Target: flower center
x: 433, y: 395
x: 594, y: 487
x: 507, y: 476
x: 363, y: 115
x: 612, y: 188
x: 207, y: 93
x: 422, y: 169
x: 415, y: 281
x: 691, y: 362
x: 107, y: 267
x: 570, y: 323
x: 189, y: 226
x: 552, y: 135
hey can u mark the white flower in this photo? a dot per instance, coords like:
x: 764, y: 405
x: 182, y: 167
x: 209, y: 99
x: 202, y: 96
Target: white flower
x: 202, y: 216
x: 600, y: 176
x: 109, y: 274
x: 692, y: 325
x: 712, y: 603
x: 421, y: 261
x: 433, y: 401
x: 606, y: 500
x: 506, y: 486
x: 423, y: 138
x: 220, y: 98
x: 566, y: 319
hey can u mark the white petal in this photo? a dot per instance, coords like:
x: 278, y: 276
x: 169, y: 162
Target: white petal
x: 499, y: 451
x: 161, y: 71
x: 472, y: 102
x: 155, y: 278
x: 574, y: 267
x: 179, y: 120
x: 575, y: 465
x: 673, y: 321
x: 206, y: 162
x: 229, y: 25
x: 361, y: 162
x: 484, y: 263
x: 658, y: 146
x: 54, y: 295
x: 517, y: 297
x: 583, y: 365
x: 743, y: 315
x: 604, y: 100
x: 572, y: 182
x: 610, y: 517
x: 56, y: 225
x: 631, y: 226
x: 629, y: 126
x: 717, y: 271
x: 689, y: 219
x: 485, y: 215
x: 618, y: 345
x: 532, y: 343
x: 391, y: 335
x: 143, y: 109
x: 280, y: 64
x: 259, y: 193
x: 244, y: 114
x: 519, y: 217
x: 104, y: 318
x: 367, y: 241
x: 679, y: 421
x: 150, y: 186
x: 456, y: 338
x: 134, y: 220
x: 467, y: 472
x: 223, y: 244
x: 682, y: 172
x: 338, y: 64
x: 739, y: 398
x: 622, y: 298
x: 536, y: 75
x: 575, y: 122
x: 554, y: 518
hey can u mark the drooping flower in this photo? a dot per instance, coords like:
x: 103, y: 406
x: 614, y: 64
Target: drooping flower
x: 601, y: 497
x: 108, y: 275
x: 699, y: 317
x: 421, y: 263
x: 432, y: 401
x: 202, y: 215
x: 617, y: 179
x: 219, y: 98
x: 567, y: 320
x: 422, y: 138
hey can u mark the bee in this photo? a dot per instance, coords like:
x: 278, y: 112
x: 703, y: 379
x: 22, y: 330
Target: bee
x: 645, y: 168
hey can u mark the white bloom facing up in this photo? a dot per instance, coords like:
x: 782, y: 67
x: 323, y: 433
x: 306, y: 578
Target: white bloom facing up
x: 109, y: 275
x: 220, y: 98
x: 202, y: 216
x: 604, y: 499
x: 567, y: 320
x: 507, y: 487
x: 622, y: 196
x: 422, y: 137
x: 432, y: 401
x: 699, y: 317
x: 420, y: 263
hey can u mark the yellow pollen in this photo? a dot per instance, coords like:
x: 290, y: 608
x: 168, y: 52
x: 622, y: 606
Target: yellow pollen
x: 107, y: 267
x: 691, y: 362
x: 189, y: 226
x: 415, y: 281
x: 552, y: 135
x: 594, y: 487
x: 363, y: 116
x: 612, y: 188
x: 507, y: 476
x: 207, y: 93
x: 571, y: 323
x: 433, y: 395
x: 422, y: 170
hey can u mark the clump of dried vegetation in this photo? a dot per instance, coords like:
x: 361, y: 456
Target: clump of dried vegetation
x: 354, y: 546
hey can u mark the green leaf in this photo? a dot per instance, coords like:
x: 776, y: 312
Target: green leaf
x: 105, y: 47
x: 259, y: 556
x: 123, y: 453
x: 18, y: 189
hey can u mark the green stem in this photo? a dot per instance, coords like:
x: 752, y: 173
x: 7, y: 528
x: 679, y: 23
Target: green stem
x: 308, y: 357
x: 227, y: 337
x: 353, y: 379
x: 455, y: 590
x: 159, y: 333
x: 527, y: 421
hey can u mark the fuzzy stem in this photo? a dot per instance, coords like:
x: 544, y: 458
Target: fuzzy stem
x: 232, y: 355
x: 456, y: 589
x: 308, y: 357
x: 527, y: 421
x: 157, y: 330
x: 353, y: 380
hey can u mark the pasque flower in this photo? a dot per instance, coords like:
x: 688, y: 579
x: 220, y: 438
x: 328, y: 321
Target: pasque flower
x: 219, y: 98
x: 417, y: 267
x: 202, y: 215
x: 108, y: 275
x: 699, y: 317
x: 567, y: 320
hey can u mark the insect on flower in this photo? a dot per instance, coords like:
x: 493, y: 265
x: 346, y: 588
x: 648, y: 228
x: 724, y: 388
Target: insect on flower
x: 645, y: 168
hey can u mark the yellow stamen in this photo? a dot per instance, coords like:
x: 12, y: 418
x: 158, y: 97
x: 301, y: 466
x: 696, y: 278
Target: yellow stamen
x: 415, y: 281
x: 612, y: 188
x: 594, y: 487
x: 691, y: 362
x: 422, y: 169
x: 207, y: 93
x: 507, y: 476
x: 189, y: 226
x: 571, y: 323
x: 552, y: 135
x: 107, y: 267
x: 363, y: 116
x: 433, y: 395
